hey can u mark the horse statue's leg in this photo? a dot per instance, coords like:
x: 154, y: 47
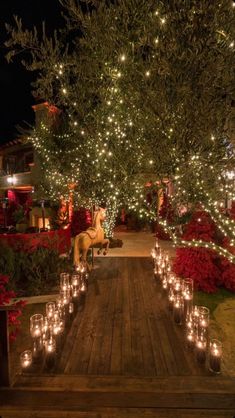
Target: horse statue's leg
x: 76, y: 251
x: 105, y: 243
x: 84, y: 259
x: 100, y: 248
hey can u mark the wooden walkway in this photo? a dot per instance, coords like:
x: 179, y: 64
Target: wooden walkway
x: 123, y: 357
x: 126, y: 327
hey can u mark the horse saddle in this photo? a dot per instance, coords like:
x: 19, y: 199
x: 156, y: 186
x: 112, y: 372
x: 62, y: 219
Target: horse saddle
x: 91, y: 232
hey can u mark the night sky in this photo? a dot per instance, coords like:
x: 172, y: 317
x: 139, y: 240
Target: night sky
x: 16, y: 98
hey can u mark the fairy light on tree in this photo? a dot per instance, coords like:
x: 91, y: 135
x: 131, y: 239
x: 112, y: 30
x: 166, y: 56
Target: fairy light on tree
x: 171, y: 69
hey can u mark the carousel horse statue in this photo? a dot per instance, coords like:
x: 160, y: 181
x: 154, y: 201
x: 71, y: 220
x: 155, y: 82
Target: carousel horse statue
x: 90, y: 237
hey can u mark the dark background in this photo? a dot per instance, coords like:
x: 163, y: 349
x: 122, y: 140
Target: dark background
x: 16, y: 98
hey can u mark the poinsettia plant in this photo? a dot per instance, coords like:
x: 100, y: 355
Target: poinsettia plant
x: 6, y: 297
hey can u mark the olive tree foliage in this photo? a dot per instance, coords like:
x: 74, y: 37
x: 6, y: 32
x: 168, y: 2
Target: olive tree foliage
x: 172, y: 67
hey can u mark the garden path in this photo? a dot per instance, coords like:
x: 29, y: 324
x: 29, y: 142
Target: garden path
x: 123, y: 357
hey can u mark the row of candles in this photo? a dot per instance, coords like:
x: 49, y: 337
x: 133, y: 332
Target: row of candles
x: 195, y: 318
x: 48, y: 331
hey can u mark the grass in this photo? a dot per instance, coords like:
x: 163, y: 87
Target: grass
x: 212, y: 300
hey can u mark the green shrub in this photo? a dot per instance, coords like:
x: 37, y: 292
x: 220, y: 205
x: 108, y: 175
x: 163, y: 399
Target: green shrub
x: 32, y: 273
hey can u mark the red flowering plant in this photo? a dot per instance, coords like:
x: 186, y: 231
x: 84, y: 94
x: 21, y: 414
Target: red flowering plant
x: 200, y: 264
x: 81, y: 220
x: 228, y: 268
x: 6, y: 297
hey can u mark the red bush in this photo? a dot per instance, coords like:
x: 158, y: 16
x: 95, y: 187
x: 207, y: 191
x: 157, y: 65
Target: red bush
x: 13, y: 316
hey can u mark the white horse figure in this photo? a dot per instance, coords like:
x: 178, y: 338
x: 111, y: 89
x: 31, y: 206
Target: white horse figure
x: 90, y: 237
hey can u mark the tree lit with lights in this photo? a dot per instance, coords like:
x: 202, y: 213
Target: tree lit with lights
x: 146, y: 89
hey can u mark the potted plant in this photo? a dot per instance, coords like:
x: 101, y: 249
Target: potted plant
x: 20, y: 219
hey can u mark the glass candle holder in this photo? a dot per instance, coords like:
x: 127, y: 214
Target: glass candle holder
x: 62, y: 325
x: 215, y: 356
x: 178, y: 309
x: 164, y: 283
x: 64, y: 281
x: 75, y: 279
x: 71, y: 308
x: 36, y: 325
x: 26, y: 359
x: 170, y: 278
x: 195, y: 315
x: 187, y: 292
x: 56, y: 326
x: 75, y: 291
x: 200, y: 349
x: 50, y: 353
x: 203, y: 319
x: 50, y: 309
x: 187, y: 289
x: 46, y: 330
x: 171, y: 297
x: 177, y: 285
x: 83, y: 287
x: 66, y: 296
x: 38, y: 349
x: 190, y: 338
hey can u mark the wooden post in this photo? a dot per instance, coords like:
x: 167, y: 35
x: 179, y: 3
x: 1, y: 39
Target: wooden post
x: 4, y: 347
x: 43, y: 214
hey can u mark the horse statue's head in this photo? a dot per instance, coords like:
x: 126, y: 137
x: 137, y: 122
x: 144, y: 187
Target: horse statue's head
x: 99, y: 217
x: 102, y: 212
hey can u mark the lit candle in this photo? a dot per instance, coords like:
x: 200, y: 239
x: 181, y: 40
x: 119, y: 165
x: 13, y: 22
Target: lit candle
x: 201, y: 346
x: 50, y: 309
x: 50, y: 352
x: 83, y: 287
x: 36, y: 325
x: 71, y: 308
x: 177, y: 285
x: 171, y: 298
x: 164, y: 283
x: 38, y: 348
x: 190, y: 338
x: 26, y: 360
x: 64, y: 281
x: 75, y: 280
x: 178, y: 306
x: 215, y: 356
x: 203, y: 319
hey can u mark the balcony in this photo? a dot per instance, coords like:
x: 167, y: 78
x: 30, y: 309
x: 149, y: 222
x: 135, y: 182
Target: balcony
x: 17, y: 180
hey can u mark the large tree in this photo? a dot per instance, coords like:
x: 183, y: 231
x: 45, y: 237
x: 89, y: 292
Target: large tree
x: 172, y: 65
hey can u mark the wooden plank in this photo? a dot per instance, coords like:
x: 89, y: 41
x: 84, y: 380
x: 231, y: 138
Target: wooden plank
x: 118, y: 413
x: 80, y: 355
x: 135, y: 314
x: 126, y: 324
x: 105, y: 355
x: 67, y: 350
x: 142, y: 393
x: 150, y: 299
x: 138, y: 268
x: 104, y: 284
x: 173, y: 384
x: 116, y: 348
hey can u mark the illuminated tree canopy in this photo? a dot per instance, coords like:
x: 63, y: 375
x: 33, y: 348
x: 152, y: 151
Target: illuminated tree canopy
x: 146, y: 88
